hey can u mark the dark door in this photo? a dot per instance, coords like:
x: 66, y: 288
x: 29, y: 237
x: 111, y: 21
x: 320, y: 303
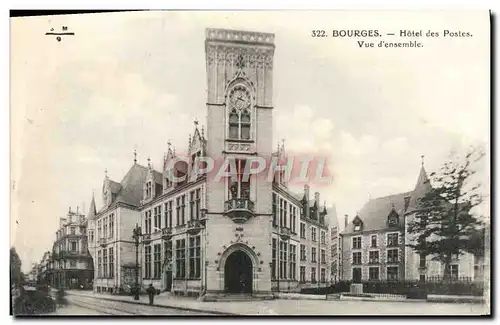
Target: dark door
x: 168, y: 280
x: 238, y: 273
x: 356, y: 274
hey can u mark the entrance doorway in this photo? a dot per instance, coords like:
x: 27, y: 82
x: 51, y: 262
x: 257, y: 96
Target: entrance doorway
x: 168, y: 280
x: 238, y: 273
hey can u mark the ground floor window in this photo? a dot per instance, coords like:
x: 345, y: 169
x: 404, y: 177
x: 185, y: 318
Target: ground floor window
x: 111, y: 263
x: 323, y: 275
x: 147, y: 262
x: 157, y: 261
x: 194, y: 257
x: 273, y: 267
x: 283, y: 259
x: 302, y: 274
x: 99, y: 263
x: 422, y: 277
x: 180, y: 259
x: 373, y: 273
x: 293, y: 262
x: 313, y: 274
x: 105, y: 263
x: 454, y: 271
x: 392, y: 273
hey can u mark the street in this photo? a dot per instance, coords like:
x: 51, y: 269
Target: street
x: 90, y: 306
x: 85, y: 305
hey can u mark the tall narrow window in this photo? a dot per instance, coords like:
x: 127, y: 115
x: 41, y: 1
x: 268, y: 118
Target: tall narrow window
x: 239, y: 113
x: 105, y: 263
x: 147, y: 262
x: 111, y: 225
x: 111, y: 263
x: 157, y: 261
x: 183, y: 209
x: 198, y: 204
x: 191, y: 205
x: 180, y: 259
x: 283, y: 259
x: 273, y: 272
x: 105, y: 227
x: 293, y: 262
x: 99, y: 264
x: 274, y: 210
x: 194, y: 257
x: 178, y: 210
x: 239, y: 188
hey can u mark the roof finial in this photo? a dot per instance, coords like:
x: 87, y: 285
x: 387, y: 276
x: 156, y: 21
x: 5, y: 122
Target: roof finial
x: 195, y: 122
x: 149, y: 162
x: 189, y: 140
x: 106, y: 173
x: 135, y: 156
x: 202, y: 131
x: 169, y: 144
x: 422, y: 158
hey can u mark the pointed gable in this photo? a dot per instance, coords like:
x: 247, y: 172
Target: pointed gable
x: 197, y: 143
x: 92, y: 209
x: 422, y: 187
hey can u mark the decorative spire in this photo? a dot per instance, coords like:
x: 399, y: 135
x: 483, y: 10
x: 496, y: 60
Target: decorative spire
x: 135, y: 156
x: 149, y: 162
x: 189, y: 144
x: 195, y: 123
x: 106, y: 173
x: 422, y: 160
x: 203, y: 132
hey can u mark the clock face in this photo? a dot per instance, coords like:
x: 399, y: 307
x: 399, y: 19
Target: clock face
x: 240, y: 99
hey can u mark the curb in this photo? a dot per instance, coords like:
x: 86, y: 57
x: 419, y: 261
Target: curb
x: 135, y: 302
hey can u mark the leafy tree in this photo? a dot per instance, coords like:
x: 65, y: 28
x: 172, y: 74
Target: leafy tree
x: 16, y: 276
x: 445, y: 224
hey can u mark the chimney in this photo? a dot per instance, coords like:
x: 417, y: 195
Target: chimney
x: 346, y: 220
x: 306, y: 195
x: 316, y: 200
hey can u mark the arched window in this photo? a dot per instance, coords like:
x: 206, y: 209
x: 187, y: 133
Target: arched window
x: 239, y: 113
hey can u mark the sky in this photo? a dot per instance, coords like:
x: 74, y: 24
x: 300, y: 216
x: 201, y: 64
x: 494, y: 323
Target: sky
x: 135, y: 80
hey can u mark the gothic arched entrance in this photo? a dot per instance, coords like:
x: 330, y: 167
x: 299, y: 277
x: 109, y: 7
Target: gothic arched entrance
x: 238, y: 273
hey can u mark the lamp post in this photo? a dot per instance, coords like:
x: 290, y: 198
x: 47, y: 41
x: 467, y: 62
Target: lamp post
x: 203, y: 216
x: 137, y: 235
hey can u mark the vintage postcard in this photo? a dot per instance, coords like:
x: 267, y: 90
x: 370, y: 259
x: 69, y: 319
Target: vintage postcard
x: 219, y: 163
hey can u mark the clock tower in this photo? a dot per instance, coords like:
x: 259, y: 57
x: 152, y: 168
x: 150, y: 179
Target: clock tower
x: 239, y: 67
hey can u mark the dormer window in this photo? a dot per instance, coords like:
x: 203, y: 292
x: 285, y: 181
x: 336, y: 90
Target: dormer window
x: 358, y: 224
x: 393, y: 218
x: 148, y: 190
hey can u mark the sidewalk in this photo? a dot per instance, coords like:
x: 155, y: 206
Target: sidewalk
x: 299, y: 307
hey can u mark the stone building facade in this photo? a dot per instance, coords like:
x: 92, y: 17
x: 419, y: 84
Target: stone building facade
x: 202, y: 236
x: 374, y: 243
x: 71, y: 262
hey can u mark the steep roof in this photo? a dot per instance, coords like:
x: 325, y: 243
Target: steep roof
x: 374, y: 213
x: 421, y: 188
x: 131, y: 187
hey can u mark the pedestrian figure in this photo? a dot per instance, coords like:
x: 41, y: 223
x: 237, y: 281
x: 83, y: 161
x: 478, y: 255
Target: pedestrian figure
x: 151, y: 293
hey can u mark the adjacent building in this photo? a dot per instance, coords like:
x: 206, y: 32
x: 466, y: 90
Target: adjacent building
x: 71, y: 261
x: 111, y: 229
x: 374, y: 242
